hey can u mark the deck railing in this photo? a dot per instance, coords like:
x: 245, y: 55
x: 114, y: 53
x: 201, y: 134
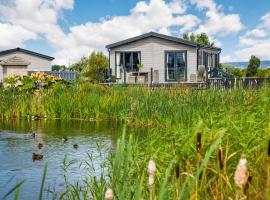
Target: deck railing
x: 67, y: 75
x: 235, y: 83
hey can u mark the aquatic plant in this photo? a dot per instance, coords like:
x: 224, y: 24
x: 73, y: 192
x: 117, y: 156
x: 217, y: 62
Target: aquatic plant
x: 194, y: 137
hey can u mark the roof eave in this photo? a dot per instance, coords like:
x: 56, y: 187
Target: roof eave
x: 209, y: 47
x: 151, y: 34
x: 27, y: 52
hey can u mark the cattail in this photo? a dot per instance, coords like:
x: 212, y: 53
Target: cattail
x: 109, y: 194
x: 177, y: 171
x: 177, y: 174
x: 220, y: 158
x: 241, y: 175
x: 199, y: 142
x: 151, y: 172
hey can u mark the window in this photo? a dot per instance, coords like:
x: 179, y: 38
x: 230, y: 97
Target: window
x: 200, y: 59
x: 175, y: 65
x: 119, y: 64
x: 127, y: 60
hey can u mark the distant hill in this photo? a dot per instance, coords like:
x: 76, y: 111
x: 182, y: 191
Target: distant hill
x: 264, y: 64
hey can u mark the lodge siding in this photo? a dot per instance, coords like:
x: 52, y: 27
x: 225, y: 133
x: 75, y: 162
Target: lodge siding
x: 153, y: 55
x: 36, y: 63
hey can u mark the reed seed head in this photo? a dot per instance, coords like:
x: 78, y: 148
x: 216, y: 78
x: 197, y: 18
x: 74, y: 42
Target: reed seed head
x: 199, y: 142
x: 109, y: 194
x: 151, y: 172
x: 152, y: 167
x: 151, y: 180
x: 241, y: 174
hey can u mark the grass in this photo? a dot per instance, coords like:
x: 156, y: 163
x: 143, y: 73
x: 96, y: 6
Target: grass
x: 236, y: 121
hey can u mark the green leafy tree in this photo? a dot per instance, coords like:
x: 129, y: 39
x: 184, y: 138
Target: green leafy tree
x: 79, y: 66
x: 199, y: 38
x: 59, y: 68
x: 263, y: 73
x: 97, y: 60
x: 253, y: 66
x: 236, y: 72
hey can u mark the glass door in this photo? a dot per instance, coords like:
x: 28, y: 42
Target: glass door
x: 170, y: 66
x: 175, y: 66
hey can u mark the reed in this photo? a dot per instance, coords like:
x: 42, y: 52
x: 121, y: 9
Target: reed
x: 195, y: 138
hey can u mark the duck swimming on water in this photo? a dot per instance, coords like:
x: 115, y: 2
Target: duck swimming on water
x: 37, y: 157
x: 64, y: 139
x: 75, y: 146
x: 40, y: 145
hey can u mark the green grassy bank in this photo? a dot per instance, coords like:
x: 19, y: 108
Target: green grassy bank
x: 232, y: 124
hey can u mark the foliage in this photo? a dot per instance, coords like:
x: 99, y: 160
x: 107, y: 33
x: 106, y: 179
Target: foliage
x: 59, y: 68
x: 199, y: 38
x: 79, y: 66
x: 263, y: 73
x: 236, y: 72
x: 253, y: 66
x: 96, y: 61
x: 29, y: 83
x: 87, y: 68
x: 173, y: 118
x: 240, y: 73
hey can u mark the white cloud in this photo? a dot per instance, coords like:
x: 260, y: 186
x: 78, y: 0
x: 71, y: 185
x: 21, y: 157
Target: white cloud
x: 256, y: 33
x: 156, y: 15
x: 266, y: 20
x: 34, y: 17
x: 217, y: 22
x: 206, y: 4
x: 255, y: 41
x: 259, y: 49
x: 40, y: 19
x: 177, y: 7
x: 9, y: 36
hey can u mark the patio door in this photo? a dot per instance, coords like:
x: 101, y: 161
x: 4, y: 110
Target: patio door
x: 175, y: 65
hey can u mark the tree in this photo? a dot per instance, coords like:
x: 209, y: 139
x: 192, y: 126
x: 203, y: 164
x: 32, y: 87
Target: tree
x: 253, y: 66
x: 58, y: 68
x: 95, y: 61
x: 236, y: 72
x: 199, y: 38
x: 79, y: 66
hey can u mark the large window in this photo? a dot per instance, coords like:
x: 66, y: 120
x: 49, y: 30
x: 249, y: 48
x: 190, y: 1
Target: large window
x: 175, y: 65
x: 127, y: 60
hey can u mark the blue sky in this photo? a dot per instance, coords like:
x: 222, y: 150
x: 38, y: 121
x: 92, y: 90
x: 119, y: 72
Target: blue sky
x: 69, y: 29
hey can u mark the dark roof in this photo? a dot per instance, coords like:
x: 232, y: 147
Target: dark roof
x: 161, y: 36
x: 26, y: 52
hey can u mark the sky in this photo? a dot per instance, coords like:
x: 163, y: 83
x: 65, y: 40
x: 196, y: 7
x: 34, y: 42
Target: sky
x: 71, y: 29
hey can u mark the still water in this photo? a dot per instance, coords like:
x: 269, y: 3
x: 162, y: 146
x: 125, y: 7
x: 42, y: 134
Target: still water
x: 17, y: 146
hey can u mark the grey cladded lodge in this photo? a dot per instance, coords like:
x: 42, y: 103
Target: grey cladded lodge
x: 162, y: 58
x: 22, y: 62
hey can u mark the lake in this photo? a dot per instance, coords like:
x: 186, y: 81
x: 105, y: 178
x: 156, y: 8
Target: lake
x: 17, y: 145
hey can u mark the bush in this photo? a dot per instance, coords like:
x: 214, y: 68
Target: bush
x: 37, y: 80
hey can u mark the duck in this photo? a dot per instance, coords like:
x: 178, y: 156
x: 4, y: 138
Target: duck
x: 75, y: 146
x: 37, y: 157
x: 40, y: 145
x: 64, y: 139
x: 33, y: 135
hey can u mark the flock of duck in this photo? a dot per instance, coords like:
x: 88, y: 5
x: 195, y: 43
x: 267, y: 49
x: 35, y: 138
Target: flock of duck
x: 36, y: 156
